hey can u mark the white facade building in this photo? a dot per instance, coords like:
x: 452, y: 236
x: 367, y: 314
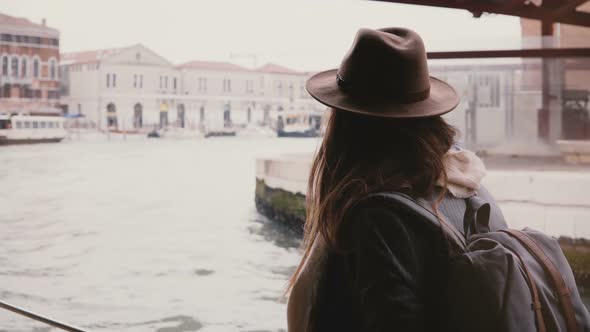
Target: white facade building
x: 133, y: 88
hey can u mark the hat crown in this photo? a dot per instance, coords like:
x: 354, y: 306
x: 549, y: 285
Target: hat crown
x: 388, y: 63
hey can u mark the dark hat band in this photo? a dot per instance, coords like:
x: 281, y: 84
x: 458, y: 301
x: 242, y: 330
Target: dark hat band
x: 360, y: 90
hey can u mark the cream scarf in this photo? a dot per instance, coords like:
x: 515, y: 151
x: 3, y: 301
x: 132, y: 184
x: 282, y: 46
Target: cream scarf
x: 464, y: 172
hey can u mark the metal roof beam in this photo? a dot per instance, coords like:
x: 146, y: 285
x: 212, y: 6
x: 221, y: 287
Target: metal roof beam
x: 568, y: 7
x: 528, y: 11
x: 565, y: 7
x: 523, y: 53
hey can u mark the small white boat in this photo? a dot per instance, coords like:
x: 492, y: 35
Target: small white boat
x: 298, y: 124
x: 28, y: 129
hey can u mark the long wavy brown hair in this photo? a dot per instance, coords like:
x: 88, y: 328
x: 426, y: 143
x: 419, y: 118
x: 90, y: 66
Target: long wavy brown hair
x: 360, y: 155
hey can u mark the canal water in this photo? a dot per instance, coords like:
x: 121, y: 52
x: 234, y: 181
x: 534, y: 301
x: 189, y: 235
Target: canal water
x: 149, y: 235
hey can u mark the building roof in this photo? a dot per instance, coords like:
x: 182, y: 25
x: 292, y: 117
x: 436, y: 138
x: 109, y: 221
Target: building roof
x: 89, y: 56
x: 13, y: 20
x: 94, y: 56
x: 212, y: 65
x: 15, y: 25
x: 277, y: 69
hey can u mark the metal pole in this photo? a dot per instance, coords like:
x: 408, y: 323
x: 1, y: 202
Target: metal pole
x: 40, y: 318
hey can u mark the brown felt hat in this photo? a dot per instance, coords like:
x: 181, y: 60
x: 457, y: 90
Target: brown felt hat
x: 384, y: 74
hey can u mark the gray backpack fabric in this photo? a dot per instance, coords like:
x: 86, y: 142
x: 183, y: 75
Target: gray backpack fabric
x: 500, y: 279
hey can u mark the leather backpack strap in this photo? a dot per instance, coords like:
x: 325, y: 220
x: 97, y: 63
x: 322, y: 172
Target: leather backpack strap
x: 536, y: 305
x: 563, y: 292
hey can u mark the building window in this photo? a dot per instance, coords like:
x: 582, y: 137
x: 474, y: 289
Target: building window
x: 488, y: 90
x: 27, y: 124
x: 112, y: 116
x: 53, y: 94
x: 36, y: 68
x: 35, y: 124
x: 137, y: 116
x: 19, y: 125
x: 5, y: 65
x: 174, y: 83
x: 141, y: 81
x: 249, y: 86
x: 138, y: 56
x: 226, y: 85
x: 27, y: 92
x: 135, y: 80
x: 202, y: 84
x: 14, y: 66
x: 111, y: 80
x: 161, y: 82
x: 53, y: 69
x: 79, y: 108
x: 24, y: 69
x: 43, y: 124
x: 165, y: 82
x: 6, y: 90
x: 180, y: 116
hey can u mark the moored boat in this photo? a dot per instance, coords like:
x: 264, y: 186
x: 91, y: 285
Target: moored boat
x: 28, y: 129
x: 299, y: 124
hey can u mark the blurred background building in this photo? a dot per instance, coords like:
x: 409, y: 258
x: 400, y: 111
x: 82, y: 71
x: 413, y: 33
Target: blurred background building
x: 29, y: 60
x: 133, y: 87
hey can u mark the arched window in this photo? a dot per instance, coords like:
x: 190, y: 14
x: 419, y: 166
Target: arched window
x: 4, y: 65
x: 14, y: 66
x: 36, y: 68
x: 52, y: 69
x: 137, y: 116
x: 180, y: 115
x: 24, y: 67
x: 112, y: 116
x: 202, y: 114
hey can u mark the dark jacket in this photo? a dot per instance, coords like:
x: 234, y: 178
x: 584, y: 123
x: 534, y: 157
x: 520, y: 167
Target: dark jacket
x: 390, y: 273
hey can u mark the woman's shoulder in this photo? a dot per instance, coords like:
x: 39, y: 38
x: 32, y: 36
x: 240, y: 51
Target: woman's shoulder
x: 374, y: 220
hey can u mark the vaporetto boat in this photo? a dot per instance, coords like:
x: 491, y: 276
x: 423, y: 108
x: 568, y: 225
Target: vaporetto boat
x: 299, y: 124
x: 27, y: 129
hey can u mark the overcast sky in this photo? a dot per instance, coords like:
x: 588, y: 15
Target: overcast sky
x: 302, y: 34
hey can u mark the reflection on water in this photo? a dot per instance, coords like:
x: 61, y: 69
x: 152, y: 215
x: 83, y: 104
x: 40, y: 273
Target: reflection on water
x: 280, y: 234
x: 143, y: 236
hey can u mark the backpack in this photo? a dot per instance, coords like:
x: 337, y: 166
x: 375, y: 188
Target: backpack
x: 502, y: 279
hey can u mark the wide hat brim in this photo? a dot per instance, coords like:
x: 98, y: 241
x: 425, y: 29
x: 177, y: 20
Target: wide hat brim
x: 324, y: 88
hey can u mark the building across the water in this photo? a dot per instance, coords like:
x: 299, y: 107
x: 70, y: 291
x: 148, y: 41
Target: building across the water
x: 133, y: 87
x: 29, y: 67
